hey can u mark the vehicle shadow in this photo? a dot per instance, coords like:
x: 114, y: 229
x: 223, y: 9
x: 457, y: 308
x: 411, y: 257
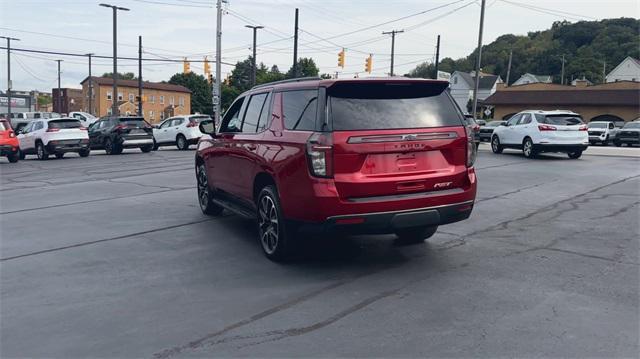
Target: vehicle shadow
x: 540, y: 156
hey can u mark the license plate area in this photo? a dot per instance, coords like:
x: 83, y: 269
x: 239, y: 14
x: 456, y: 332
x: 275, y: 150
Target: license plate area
x: 394, y: 163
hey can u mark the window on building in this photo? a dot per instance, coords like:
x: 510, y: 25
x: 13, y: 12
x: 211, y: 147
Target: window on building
x: 162, y: 100
x: 152, y: 98
x: 181, y: 101
x: 151, y: 115
x: 109, y: 95
x: 120, y: 96
x: 109, y: 111
x: 172, y: 101
x: 161, y: 115
x: 131, y: 97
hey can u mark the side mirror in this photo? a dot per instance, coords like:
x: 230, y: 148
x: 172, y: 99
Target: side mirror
x: 208, y: 127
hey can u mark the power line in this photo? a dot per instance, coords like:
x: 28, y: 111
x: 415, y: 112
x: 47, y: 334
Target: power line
x: 558, y: 13
x: 172, y: 4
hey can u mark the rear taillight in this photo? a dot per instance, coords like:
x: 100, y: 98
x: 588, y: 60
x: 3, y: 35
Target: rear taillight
x: 53, y: 130
x: 583, y: 128
x: 320, y: 154
x: 192, y: 124
x: 472, y: 151
x: 476, y: 128
x: 120, y: 127
x: 546, y: 128
x: 82, y: 128
x: 12, y: 134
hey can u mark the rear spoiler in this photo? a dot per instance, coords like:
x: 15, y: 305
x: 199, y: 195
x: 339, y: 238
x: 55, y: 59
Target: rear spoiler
x: 386, y: 89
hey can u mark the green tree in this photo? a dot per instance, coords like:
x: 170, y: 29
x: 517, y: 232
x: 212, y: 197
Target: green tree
x: 200, y: 91
x: 306, y: 68
x: 121, y: 76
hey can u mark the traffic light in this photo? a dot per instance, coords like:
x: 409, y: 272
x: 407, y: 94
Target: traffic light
x: 210, y: 79
x: 341, y: 58
x: 186, y: 66
x: 207, y: 68
x: 367, y: 63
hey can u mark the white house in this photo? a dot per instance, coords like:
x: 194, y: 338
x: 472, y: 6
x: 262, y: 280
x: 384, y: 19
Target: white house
x: 627, y: 70
x: 532, y: 79
x: 462, y: 84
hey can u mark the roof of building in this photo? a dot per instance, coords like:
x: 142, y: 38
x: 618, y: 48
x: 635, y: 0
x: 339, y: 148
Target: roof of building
x: 633, y: 60
x: 539, y: 78
x: 612, y: 97
x: 134, y: 83
x: 486, y: 81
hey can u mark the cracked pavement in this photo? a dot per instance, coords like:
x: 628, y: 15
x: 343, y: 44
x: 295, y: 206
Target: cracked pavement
x: 109, y: 256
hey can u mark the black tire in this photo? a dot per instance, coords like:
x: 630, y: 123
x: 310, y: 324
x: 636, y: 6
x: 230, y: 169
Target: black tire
x: 59, y: 155
x: 527, y: 148
x: 41, y: 152
x: 13, y: 158
x: 574, y: 155
x: 617, y: 143
x: 415, y: 235
x: 21, y: 154
x: 205, y: 195
x: 496, y: 147
x: 84, y: 153
x: 146, y: 149
x: 606, y: 141
x: 181, y: 143
x: 108, y: 147
x: 276, y: 239
x: 155, y: 145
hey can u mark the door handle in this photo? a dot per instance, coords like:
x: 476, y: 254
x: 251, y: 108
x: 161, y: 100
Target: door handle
x: 252, y: 147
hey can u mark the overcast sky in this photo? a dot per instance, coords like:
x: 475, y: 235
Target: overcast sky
x: 187, y: 28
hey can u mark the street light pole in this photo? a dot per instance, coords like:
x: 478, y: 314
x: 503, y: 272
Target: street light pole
x: 9, y: 74
x: 59, y: 89
x: 478, y: 61
x: 114, y: 96
x: 218, y: 81
x: 90, y: 86
x: 253, y: 70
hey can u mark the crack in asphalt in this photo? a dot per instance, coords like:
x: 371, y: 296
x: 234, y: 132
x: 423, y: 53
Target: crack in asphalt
x: 115, y: 180
x: 620, y: 211
x: 106, y: 239
x: 513, y: 192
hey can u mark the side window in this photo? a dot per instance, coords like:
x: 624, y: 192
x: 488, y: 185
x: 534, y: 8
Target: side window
x: 540, y: 118
x: 525, y: 119
x: 610, y: 126
x: 513, y: 120
x: 252, y: 114
x: 28, y: 127
x: 38, y: 126
x: 232, y: 121
x: 165, y: 124
x: 177, y: 122
x: 299, y: 109
x: 265, y: 115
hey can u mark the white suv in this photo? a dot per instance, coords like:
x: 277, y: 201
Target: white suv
x: 56, y: 136
x: 181, y: 131
x: 542, y: 131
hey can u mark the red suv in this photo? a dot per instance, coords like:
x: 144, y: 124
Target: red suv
x: 9, y: 145
x: 388, y: 155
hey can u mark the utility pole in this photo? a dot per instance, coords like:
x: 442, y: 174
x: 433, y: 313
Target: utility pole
x: 140, y: 113
x: 295, y: 46
x: 218, y: 80
x: 114, y: 96
x: 509, y: 68
x: 90, y: 85
x: 604, y: 71
x: 393, y: 45
x: 253, y: 67
x: 437, y: 57
x: 59, y: 90
x: 9, y: 74
x: 478, y: 60
x: 562, y: 74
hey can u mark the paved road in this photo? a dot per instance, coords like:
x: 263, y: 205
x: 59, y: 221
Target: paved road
x: 109, y: 256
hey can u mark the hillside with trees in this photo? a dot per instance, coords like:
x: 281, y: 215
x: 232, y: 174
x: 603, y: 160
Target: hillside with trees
x: 586, y: 45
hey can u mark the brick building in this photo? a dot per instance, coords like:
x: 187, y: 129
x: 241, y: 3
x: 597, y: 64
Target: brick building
x: 71, y: 100
x: 159, y: 100
x: 615, y: 101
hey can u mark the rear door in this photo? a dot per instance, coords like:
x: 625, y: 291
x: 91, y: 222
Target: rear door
x: 507, y: 134
x: 393, y: 138
x: 563, y: 128
x: 217, y: 159
x: 522, y: 128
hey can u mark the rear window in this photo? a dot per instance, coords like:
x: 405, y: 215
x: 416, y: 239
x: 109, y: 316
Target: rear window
x: 392, y: 106
x: 597, y: 125
x: 65, y: 124
x: 560, y: 120
x: 133, y: 121
x: 199, y: 119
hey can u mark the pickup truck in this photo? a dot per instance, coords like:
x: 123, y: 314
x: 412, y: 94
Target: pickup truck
x: 602, y: 131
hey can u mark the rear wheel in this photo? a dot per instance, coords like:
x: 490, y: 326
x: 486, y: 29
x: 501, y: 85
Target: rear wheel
x: 617, y: 143
x: 415, y: 235
x: 575, y: 154
x: 146, y: 148
x: 496, y: 147
x: 527, y: 148
x: 108, y: 146
x: 41, y: 152
x: 84, y: 153
x: 181, y: 143
x: 205, y: 196
x: 59, y: 155
x: 13, y: 158
x: 275, y: 238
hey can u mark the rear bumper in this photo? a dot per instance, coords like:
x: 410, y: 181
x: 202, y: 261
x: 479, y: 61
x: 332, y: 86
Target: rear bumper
x: 138, y: 142
x: 573, y: 147
x: 485, y: 136
x: 8, y: 150
x: 61, y: 147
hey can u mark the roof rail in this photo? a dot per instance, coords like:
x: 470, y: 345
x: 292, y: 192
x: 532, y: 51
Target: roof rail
x: 297, y: 79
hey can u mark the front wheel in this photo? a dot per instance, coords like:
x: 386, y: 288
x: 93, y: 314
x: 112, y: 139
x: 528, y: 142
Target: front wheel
x: 181, y: 143
x: 59, y: 155
x: 205, y: 196
x: 146, y: 149
x: 21, y: 154
x: 84, y: 153
x: 41, y: 152
x: 527, y: 148
x: 617, y: 143
x: 276, y: 240
x: 415, y: 235
x: 574, y: 155
x: 496, y: 147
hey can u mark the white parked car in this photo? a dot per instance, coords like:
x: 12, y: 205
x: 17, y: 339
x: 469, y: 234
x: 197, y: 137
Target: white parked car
x: 602, y: 131
x: 85, y: 118
x: 542, y: 131
x: 180, y: 131
x: 57, y: 136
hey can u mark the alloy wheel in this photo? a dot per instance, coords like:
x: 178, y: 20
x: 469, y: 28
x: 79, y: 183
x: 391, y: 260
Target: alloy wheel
x: 527, y: 148
x: 203, y: 187
x: 268, y: 224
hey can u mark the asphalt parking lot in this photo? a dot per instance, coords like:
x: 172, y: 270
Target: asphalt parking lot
x: 110, y: 256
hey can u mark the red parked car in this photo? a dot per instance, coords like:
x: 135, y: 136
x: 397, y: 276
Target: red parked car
x: 388, y: 155
x: 9, y: 145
